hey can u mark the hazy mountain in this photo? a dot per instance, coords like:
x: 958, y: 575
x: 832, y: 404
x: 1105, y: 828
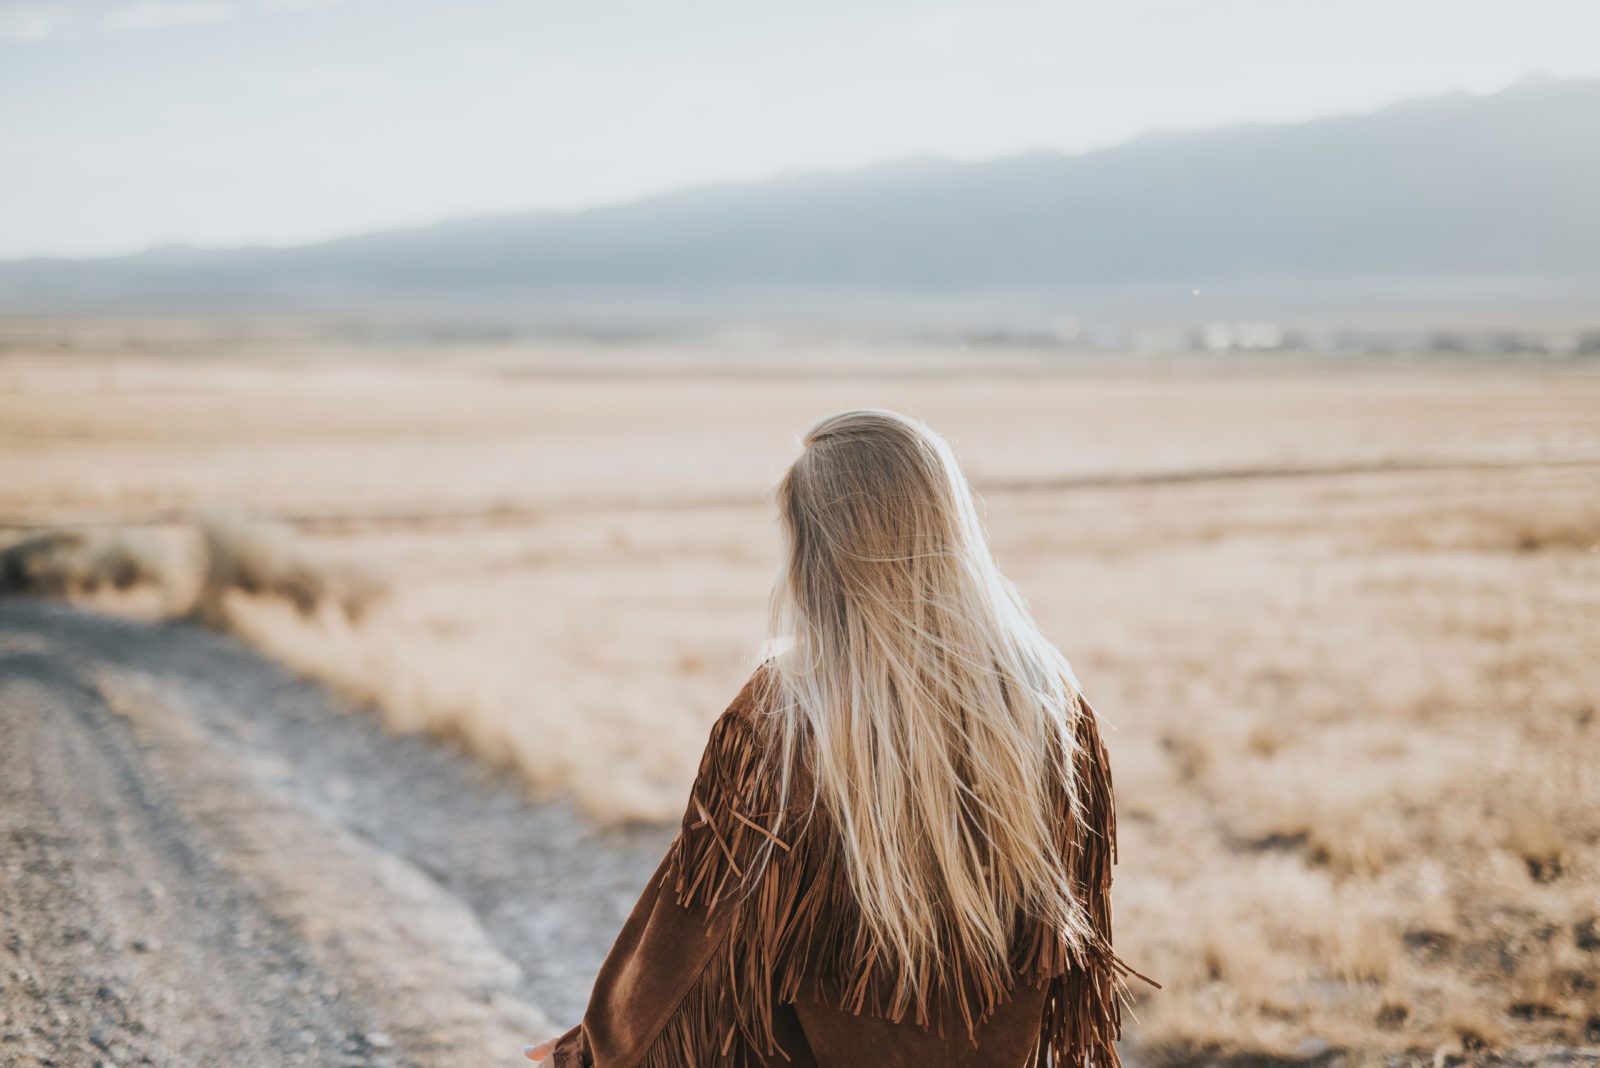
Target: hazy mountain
x: 1458, y: 198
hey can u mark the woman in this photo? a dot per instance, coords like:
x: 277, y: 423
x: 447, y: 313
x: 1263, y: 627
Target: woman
x: 898, y: 847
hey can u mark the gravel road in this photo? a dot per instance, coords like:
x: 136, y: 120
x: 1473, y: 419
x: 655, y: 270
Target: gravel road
x: 207, y: 861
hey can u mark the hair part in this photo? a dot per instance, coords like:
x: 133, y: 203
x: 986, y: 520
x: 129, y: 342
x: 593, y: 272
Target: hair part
x: 934, y: 722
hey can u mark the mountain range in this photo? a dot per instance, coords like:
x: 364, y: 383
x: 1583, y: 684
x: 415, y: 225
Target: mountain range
x: 1460, y: 202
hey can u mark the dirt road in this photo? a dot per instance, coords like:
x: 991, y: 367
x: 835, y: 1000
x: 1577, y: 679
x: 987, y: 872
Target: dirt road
x: 206, y: 861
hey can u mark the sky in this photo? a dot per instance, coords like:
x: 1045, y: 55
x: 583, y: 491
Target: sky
x: 126, y: 124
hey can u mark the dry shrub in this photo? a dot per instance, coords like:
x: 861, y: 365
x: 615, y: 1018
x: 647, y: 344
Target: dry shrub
x: 1563, y: 524
x: 263, y: 559
x: 1359, y: 843
x: 66, y: 563
x: 1392, y: 1014
x: 1552, y: 982
x: 1545, y: 533
x: 1349, y: 836
x: 1539, y: 841
x: 231, y: 557
x: 1191, y: 753
x: 1475, y: 1034
x: 1265, y: 739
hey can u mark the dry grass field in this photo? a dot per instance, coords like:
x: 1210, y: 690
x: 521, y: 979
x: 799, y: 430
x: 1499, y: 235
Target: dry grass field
x: 1343, y: 618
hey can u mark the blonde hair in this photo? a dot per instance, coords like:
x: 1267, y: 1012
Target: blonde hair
x: 934, y: 721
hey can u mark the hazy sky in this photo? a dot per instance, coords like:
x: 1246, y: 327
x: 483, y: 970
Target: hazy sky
x: 127, y: 123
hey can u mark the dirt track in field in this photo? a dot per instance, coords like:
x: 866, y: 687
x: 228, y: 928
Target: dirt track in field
x: 205, y: 861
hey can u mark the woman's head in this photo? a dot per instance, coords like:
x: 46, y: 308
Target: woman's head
x: 878, y: 523
x: 935, y: 720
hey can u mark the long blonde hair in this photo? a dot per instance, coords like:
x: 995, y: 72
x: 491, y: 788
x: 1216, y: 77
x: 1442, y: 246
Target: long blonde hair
x: 934, y: 721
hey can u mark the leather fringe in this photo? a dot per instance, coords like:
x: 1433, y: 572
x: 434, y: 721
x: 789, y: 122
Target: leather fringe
x: 706, y: 1026
x: 795, y: 930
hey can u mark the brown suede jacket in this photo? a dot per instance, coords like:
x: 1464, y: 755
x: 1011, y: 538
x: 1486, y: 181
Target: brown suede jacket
x: 739, y: 955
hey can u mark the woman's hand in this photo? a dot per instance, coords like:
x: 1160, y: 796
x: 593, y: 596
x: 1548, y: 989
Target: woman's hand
x: 541, y: 1051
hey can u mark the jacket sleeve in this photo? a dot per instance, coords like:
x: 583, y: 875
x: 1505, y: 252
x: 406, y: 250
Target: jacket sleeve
x: 662, y: 999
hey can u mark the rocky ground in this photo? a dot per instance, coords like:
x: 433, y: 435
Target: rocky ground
x: 206, y: 861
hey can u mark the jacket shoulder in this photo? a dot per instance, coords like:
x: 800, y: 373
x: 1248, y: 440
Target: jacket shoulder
x: 733, y: 801
x: 755, y: 696
x: 745, y: 724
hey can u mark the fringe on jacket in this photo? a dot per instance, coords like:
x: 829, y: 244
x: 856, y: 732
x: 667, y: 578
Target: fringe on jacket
x: 796, y: 931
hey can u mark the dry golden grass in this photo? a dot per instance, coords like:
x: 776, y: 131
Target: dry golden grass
x: 79, y: 563
x: 1355, y: 708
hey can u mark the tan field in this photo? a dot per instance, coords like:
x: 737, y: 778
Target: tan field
x: 1343, y: 618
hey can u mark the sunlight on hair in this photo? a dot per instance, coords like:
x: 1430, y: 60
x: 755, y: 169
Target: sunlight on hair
x: 938, y: 720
